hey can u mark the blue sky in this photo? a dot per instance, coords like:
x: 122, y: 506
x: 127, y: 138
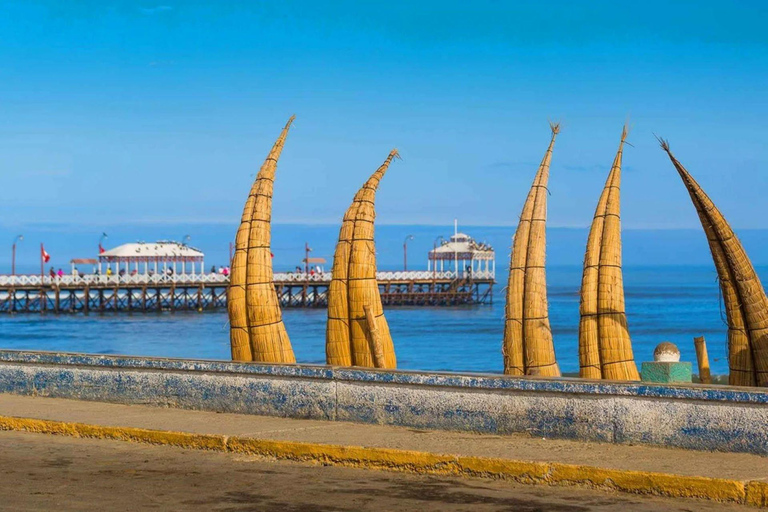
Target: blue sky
x: 161, y: 112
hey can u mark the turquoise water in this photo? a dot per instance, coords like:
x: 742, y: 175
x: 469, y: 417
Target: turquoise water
x: 664, y: 303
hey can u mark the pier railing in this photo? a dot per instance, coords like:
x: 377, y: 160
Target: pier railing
x: 105, y: 280
x: 411, y: 275
x: 26, y: 280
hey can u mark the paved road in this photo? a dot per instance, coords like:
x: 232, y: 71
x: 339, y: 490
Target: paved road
x: 44, y: 472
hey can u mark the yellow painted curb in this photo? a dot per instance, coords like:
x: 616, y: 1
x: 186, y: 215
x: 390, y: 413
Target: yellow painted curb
x: 379, y: 458
x: 757, y: 494
x: 680, y: 486
x: 639, y: 482
x: 517, y: 470
x: 138, y: 435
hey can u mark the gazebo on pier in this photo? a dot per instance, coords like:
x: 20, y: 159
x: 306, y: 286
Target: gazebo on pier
x: 466, y: 255
x: 156, y: 257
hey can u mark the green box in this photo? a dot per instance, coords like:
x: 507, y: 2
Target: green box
x: 666, y: 372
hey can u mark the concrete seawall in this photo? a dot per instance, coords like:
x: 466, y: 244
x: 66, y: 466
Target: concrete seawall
x: 693, y: 416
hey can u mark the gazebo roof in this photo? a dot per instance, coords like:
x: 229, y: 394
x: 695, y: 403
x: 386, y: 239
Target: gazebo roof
x: 161, y: 250
x: 83, y: 261
x: 462, y: 246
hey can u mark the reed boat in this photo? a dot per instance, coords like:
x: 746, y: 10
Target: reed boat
x: 528, y: 348
x: 746, y: 306
x: 357, y: 333
x: 257, y: 332
x: 605, y: 348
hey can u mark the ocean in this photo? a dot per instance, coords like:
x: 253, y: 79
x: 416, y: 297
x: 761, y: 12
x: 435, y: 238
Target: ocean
x: 670, y: 286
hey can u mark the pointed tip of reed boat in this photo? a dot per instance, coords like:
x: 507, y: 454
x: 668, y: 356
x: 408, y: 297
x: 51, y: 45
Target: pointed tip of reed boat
x: 664, y: 145
x: 555, y: 127
x: 625, y: 131
x: 678, y: 166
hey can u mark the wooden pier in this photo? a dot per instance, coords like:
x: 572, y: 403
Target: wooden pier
x: 200, y: 292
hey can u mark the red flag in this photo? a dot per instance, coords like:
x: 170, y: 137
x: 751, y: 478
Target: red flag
x: 101, y: 249
x: 44, y: 255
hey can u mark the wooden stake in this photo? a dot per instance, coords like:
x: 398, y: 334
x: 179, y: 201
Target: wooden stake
x: 377, y: 348
x: 703, y: 359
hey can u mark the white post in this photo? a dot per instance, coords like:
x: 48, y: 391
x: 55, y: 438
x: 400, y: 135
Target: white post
x: 455, y: 253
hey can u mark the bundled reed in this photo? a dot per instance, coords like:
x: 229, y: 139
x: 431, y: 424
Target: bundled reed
x: 257, y: 332
x: 357, y: 332
x: 528, y: 347
x: 605, y: 349
x: 746, y: 305
x: 338, y: 350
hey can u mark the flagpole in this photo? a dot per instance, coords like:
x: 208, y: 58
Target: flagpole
x: 101, y: 239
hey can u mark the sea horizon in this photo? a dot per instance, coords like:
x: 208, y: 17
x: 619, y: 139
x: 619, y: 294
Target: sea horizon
x: 565, y: 245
